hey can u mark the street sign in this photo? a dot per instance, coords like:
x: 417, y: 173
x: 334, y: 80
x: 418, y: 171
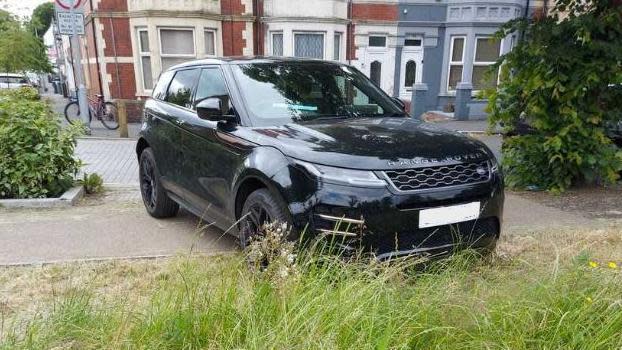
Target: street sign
x: 68, y: 4
x: 65, y: 25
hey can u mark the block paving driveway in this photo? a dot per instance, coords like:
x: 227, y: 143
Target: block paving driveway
x: 114, y: 160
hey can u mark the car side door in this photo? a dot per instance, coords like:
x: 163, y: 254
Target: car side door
x: 168, y: 116
x: 210, y: 161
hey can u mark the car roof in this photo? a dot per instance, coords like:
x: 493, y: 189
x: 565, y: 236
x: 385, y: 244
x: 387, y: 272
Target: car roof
x: 248, y: 60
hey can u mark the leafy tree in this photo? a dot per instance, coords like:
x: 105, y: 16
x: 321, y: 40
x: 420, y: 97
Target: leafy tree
x: 20, y: 49
x: 41, y: 19
x: 559, y: 78
x: 7, y: 21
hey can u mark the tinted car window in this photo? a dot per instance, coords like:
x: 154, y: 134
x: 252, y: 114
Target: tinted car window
x: 280, y: 93
x: 159, y: 92
x: 180, y: 89
x: 211, y: 84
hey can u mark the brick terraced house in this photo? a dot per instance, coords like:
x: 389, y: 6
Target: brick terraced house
x: 443, y: 44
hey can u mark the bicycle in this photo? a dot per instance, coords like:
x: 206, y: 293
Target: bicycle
x: 105, y: 112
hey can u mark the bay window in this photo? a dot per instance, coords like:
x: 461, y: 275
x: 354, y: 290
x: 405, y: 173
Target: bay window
x: 337, y: 47
x: 487, y: 50
x: 145, y: 59
x: 456, y: 62
x: 277, y: 44
x: 176, y: 46
x: 309, y: 45
x: 210, y: 42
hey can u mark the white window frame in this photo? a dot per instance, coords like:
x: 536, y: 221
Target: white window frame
x: 455, y: 63
x: 337, y: 54
x: 272, y: 34
x: 406, y: 87
x: 378, y: 48
x: 142, y: 54
x: 484, y: 63
x: 214, y: 32
x: 413, y: 47
x: 323, y: 34
x: 194, y: 43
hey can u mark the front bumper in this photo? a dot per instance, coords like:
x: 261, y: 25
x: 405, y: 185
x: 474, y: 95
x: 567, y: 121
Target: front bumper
x: 390, y: 218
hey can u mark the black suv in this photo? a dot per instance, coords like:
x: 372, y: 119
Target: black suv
x: 243, y: 141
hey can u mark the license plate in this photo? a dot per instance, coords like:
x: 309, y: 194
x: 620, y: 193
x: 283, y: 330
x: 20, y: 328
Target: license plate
x: 448, y: 215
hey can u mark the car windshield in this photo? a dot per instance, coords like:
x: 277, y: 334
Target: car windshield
x: 285, y: 92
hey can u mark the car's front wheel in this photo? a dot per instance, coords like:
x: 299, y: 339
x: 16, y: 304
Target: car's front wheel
x: 156, y: 201
x: 261, y: 207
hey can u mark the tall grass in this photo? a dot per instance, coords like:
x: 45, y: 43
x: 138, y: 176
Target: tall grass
x: 323, y: 302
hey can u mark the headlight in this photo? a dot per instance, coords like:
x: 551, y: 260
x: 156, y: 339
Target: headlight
x: 495, y: 168
x: 341, y: 176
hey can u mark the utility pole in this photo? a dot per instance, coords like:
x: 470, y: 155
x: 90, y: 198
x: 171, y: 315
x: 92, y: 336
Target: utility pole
x: 82, y: 99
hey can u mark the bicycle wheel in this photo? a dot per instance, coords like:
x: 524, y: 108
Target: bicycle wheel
x: 72, y: 113
x: 110, y: 118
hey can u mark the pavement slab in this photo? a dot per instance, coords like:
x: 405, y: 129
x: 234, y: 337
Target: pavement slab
x: 116, y: 226
x: 114, y: 160
x: 103, y: 229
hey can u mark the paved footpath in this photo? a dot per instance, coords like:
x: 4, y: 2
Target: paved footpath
x: 117, y: 226
x: 115, y: 160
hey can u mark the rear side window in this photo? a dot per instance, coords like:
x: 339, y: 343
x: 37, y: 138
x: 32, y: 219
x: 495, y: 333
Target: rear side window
x: 181, y: 87
x: 159, y: 92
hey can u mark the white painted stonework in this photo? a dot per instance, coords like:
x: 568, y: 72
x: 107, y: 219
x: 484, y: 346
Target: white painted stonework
x: 306, y: 8
x: 385, y: 55
x: 153, y: 24
x: 211, y: 6
x: 288, y: 29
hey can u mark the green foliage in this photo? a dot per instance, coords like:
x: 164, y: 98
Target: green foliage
x: 41, y: 19
x: 93, y: 183
x: 558, y: 79
x: 36, y: 155
x: 20, y: 49
x: 7, y: 21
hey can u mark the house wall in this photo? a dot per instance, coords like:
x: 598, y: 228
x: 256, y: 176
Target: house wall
x: 114, y: 44
x: 113, y: 63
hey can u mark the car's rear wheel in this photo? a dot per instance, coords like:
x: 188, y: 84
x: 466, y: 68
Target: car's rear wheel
x: 260, y: 207
x: 156, y: 201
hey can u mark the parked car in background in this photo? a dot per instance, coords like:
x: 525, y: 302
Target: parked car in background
x: 13, y: 81
x: 317, y: 145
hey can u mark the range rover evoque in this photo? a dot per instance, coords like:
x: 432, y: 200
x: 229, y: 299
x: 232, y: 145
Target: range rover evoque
x: 243, y: 141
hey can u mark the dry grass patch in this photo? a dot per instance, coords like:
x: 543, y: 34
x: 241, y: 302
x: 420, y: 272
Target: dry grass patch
x: 553, y: 289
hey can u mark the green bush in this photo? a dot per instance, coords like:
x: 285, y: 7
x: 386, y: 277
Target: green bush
x: 558, y: 78
x: 36, y: 155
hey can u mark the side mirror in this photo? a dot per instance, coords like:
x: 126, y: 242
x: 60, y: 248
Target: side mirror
x: 212, y: 109
x: 399, y: 103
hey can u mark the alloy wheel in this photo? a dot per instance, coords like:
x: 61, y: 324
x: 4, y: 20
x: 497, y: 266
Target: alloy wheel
x: 147, y: 183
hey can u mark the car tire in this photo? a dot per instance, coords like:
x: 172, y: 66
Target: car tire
x: 261, y: 206
x: 156, y: 201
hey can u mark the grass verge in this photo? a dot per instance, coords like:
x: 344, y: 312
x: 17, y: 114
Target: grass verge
x: 543, y: 290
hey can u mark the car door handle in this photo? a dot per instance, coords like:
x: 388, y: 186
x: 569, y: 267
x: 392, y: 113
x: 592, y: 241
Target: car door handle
x: 180, y: 122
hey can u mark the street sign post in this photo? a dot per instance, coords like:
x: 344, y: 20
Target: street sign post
x: 65, y: 24
x: 70, y: 18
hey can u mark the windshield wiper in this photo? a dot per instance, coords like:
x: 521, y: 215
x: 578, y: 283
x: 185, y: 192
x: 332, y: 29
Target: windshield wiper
x: 394, y: 115
x: 331, y: 117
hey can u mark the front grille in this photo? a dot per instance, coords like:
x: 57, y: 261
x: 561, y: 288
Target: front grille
x: 473, y: 234
x: 439, y: 176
